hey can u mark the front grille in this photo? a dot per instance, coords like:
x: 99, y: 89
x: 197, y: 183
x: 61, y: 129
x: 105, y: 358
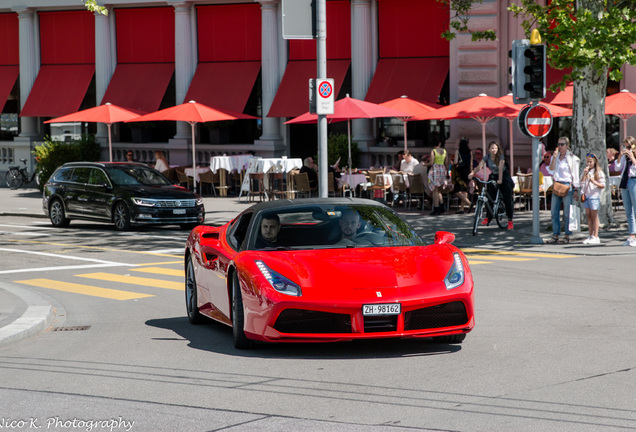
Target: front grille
x: 306, y: 321
x: 375, y: 324
x: 444, y: 315
x: 176, y: 203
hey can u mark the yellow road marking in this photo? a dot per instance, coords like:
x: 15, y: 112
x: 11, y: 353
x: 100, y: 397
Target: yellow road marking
x: 161, y: 263
x: 525, y: 254
x: 498, y: 258
x: 471, y: 262
x: 84, y: 289
x: 160, y: 270
x: 155, y: 283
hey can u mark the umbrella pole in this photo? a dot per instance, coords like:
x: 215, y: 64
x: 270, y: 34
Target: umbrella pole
x: 404, y: 123
x: 194, y: 160
x: 110, y: 143
x: 483, y: 145
x: 349, y: 141
x: 624, y: 127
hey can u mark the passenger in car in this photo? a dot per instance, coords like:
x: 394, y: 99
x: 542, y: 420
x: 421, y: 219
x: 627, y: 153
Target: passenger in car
x: 268, y: 233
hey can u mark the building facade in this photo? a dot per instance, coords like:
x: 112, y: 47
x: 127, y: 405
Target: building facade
x: 58, y: 58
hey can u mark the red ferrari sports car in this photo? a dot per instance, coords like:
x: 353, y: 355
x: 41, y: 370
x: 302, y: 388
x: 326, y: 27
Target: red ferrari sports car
x: 327, y: 269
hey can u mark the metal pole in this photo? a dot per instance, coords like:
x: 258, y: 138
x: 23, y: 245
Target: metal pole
x: 321, y: 60
x: 536, y: 157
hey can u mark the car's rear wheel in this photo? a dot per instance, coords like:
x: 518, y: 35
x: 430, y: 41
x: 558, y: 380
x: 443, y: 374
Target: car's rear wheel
x: 456, y: 338
x: 191, y: 296
x: 121, y: 216
x: 238, y: 318
x: 58, y: 215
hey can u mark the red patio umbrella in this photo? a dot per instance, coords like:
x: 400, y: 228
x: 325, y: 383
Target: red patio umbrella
x: 481, y: 108
x: 556, y: 111
x: 348, y: 109
x: 193, y: 113
x: 622, y: 105
x: 413, y: 107
x: 563, y: 97
x: 107, y: 113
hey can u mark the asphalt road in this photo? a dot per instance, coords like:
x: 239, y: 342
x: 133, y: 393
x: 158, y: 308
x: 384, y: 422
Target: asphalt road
x: 552, y: 349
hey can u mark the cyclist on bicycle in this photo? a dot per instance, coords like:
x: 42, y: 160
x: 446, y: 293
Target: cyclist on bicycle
x: 495, y: 161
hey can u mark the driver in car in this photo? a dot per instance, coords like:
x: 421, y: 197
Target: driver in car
x: 268, y: 233
x: 349, y: 224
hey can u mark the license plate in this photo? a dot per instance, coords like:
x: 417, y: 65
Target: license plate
x: 381, y: 309
x: 179, y: 211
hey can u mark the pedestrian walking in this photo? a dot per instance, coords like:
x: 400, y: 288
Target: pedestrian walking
x: 461, y: 169
x: 438, y: 175
x: 592, y: 182
x: 627, y: 166
x: 564, y: 167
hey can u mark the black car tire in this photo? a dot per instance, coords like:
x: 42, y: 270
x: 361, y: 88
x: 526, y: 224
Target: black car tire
x: 191, y: 297
x: 57, y: 214
x: 451, y: 339
x: 238, y: 318
x: 121, y: 216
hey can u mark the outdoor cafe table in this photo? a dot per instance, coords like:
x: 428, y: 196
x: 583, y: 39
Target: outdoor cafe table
x: 189, y: 172
x: 228, y: 164
x: 265, y: 165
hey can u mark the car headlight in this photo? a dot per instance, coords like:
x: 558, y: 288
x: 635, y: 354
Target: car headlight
x: 144, y: 202
x: 455, y: 276
x: 279, y: 282
x: 199, y: 201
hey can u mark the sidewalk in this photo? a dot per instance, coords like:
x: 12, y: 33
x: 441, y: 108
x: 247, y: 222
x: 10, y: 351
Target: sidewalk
x: 25, y: 312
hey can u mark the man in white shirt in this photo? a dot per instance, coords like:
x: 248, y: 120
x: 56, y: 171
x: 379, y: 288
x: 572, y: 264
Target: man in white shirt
x: 408, y: 163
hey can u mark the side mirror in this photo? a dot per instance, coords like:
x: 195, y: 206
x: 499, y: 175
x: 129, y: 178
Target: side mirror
x: 444, y: 237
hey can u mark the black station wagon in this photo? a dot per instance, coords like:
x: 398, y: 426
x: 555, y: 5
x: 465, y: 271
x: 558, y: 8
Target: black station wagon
x: 124, y: 194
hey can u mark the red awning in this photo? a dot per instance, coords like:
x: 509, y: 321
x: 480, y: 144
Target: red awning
x: 8, y: 76
x: 58, y: 90
x: 419, y: 78
x: 225, y: 85
x: 292, y: 97
x: 139, y: 86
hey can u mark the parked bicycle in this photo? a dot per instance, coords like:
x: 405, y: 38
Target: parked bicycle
x: 17, y: 176
x: 495, y: 207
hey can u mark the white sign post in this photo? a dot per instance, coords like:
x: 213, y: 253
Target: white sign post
x: 324, y: 96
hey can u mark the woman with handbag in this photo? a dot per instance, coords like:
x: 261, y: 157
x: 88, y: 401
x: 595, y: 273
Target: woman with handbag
x: 564, y: 168
x: 459, y: 172
x: 592, y: 181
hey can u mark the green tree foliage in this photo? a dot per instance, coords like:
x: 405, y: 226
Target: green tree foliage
x: 92, y: 6
x: 338, y: 147
x: 54, y: 153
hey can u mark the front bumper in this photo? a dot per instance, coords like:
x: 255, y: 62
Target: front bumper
x: 151, y: 215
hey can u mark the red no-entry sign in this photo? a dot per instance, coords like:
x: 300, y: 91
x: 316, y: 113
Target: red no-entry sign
x: 535, y: 121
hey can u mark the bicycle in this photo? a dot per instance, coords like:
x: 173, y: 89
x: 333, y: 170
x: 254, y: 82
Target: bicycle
x: 17, y: 176
x: 496, y: 206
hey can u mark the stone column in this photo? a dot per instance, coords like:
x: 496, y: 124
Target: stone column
x: 184, y: 64
x: 362, y: 66
x: 29, y: 66
x: 104, y: 66
x: 270, y: 75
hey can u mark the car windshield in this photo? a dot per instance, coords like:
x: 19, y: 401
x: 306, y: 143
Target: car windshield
x: 331, y: 226
x: 134, y: 175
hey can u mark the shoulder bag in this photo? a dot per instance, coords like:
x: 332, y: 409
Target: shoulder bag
x: 560, y: 189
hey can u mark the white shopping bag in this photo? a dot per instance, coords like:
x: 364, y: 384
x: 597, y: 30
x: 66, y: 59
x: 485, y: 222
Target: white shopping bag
x: 575, y: 218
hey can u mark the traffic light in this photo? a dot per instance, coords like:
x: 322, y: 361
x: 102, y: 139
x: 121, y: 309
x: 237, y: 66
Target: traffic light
x: 528, y: 71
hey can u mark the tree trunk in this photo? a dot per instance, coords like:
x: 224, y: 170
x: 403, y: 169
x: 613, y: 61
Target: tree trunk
x: 588, y: 118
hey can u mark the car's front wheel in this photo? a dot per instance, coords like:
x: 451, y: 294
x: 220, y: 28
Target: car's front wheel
x: 58, y: 215
x: 121, y: 216
x: 238, y: 318
x: 191, y: 296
